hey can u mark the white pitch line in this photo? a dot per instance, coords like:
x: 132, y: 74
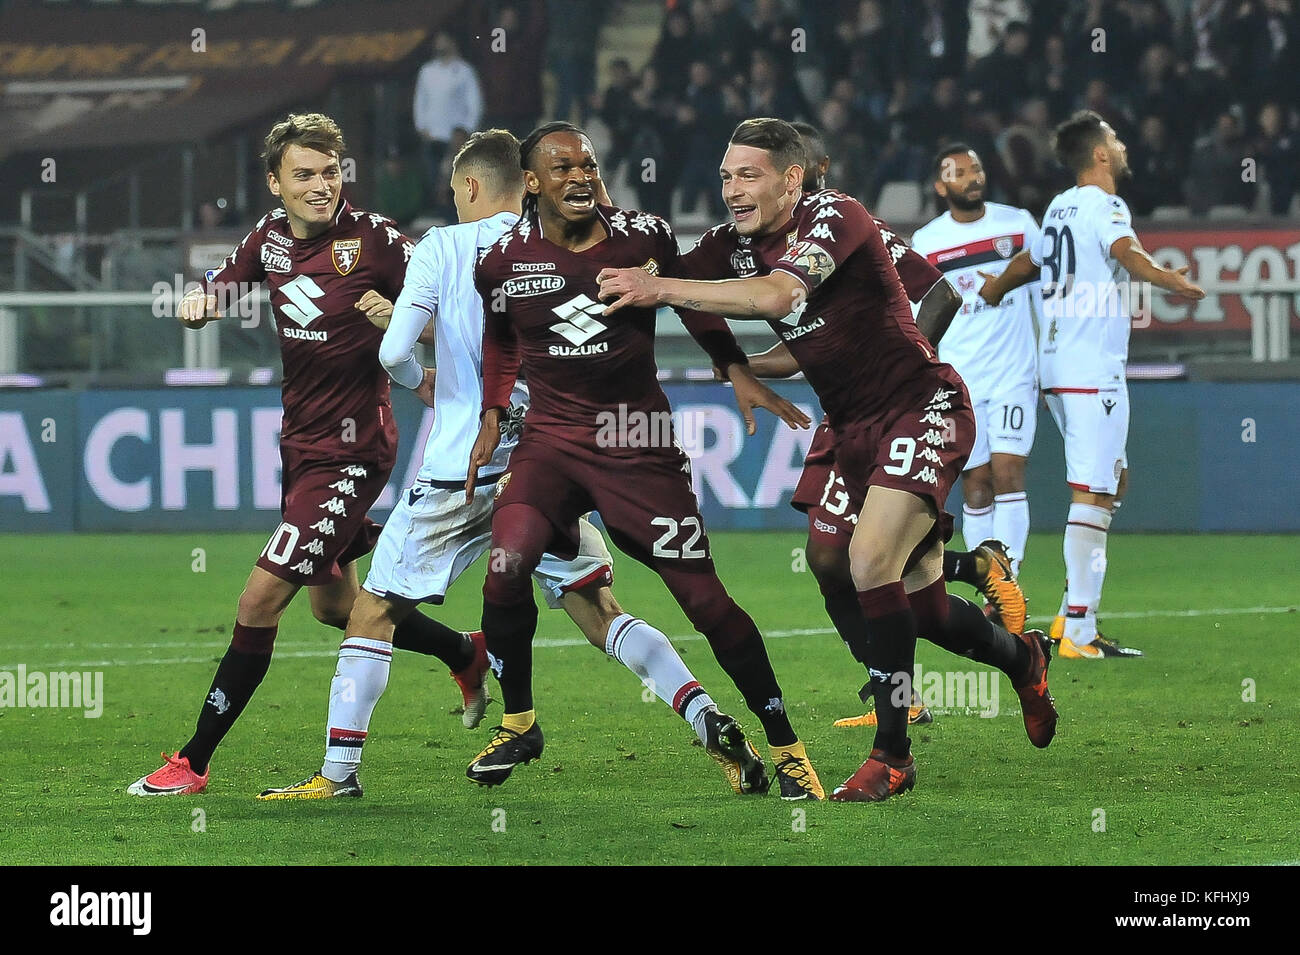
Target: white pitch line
x: 283, y: 651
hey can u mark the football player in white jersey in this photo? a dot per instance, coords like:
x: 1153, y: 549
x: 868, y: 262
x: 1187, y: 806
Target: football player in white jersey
x: 992, y: 347
x: 433, y: 535
x: 1085, y: 260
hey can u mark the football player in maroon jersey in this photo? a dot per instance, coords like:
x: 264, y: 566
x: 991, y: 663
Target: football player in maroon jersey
x: 817, y: 269
x: 822, y: 494
x: 327, y: 265
x: 538, y: 285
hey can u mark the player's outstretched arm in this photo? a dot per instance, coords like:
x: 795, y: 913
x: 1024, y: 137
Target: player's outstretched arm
x: 937, y: 309
x: 1021, y: 270
x: 1129, y: 253
x: 764, y: 297
x: 776, y: 362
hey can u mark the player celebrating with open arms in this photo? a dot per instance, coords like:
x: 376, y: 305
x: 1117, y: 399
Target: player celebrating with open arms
x: 819, y: 273
x: 538, y: 285
x: 327, y: 266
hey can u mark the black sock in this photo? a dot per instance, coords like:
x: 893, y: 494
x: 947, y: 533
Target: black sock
x: 746, y: 662
x: 959, y: 565
x: 422, y: 634
x: 238, y: 677
x: 509, y: 633
x: 846, y: 614
x: 888, y: 652
x: 971, y: 634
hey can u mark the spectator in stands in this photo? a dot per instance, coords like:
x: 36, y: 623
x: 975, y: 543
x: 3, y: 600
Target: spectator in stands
x: 1215, y: 177
x: 770, y: 93
x: 942, y: 26
x: 937, y: 120
x: 673, y: 52
x: 847, y: 148
x: 1003, y: 75
x: 1052, y: 78
x: 700, y: 120
x: 447, y: 98
x: 1159, y: 167
x: 653, y: 164
x: 1203, y: 45
x: 988, y: 21
x: 1259, y: 48
x: 864, y: 55
x: 614, y: 107
x: 730, y: 36
x: 512, y: 76
x: 1160, y: 90
x: 1277, y: 149
x: 1025, y: 148
x: 399, y: 188
x: 571, y: 43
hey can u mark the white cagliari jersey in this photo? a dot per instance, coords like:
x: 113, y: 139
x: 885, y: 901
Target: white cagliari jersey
x: 987, y: 344
x: 1085, y: 304
x: 440, y: 283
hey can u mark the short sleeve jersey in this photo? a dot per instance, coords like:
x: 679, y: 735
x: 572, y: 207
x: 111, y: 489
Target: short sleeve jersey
x: 1086, y: 306
x: 335, y: 392
x: 542, y: 313
x: 854, y: 335
x: 986, y: 343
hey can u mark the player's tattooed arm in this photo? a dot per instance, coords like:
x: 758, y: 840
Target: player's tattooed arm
x: 1019, y: 271
x: 764, y: 297
x: 937, y: 309
x: 1129, y: 253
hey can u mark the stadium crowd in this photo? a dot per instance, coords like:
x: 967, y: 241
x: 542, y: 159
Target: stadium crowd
x: 1194, y: 87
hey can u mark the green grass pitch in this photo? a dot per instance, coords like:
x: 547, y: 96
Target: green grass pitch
x: 1164, y: 760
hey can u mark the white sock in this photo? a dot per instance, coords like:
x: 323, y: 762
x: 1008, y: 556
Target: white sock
x: 358, y: 683
x: 1085, y: 569
x: 976, y: 525
x: 647, y: 653
x: 1011, y: 524
x: 1065, y: 599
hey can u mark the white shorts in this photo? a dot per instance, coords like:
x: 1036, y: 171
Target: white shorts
x: 1094, y: 427
x: 432, y: 536
x: 1006, y: 417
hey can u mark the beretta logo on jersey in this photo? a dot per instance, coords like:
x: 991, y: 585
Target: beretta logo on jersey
x: 522, y: 286
x: 275, y: 260
x: 742, y: 263
x: 345, y: 253
x: 1004, y: 245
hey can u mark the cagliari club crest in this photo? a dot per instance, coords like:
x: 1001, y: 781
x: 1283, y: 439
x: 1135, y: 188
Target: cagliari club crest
x: 345, y: 254
x: 1003, y: 246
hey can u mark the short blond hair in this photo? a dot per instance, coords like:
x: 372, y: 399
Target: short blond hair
x: 310, y: 130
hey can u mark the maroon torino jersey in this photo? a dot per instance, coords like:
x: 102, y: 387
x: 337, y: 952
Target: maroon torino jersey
x: 329, y: 349
x: 854, y: 338
x: 541, y: 311
x: 918, y: 277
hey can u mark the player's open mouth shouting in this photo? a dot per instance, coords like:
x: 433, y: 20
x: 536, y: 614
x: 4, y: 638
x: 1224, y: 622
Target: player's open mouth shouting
x: 742, y: 213
x: 581, y: 198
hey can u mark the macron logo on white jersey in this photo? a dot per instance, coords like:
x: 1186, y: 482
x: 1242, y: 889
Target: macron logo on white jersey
x: 300, y: 293
x: 579, y: 324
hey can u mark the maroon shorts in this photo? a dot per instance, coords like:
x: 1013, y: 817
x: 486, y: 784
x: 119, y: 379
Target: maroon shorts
x: 821, y: 493
x: 921, y: 450
x: 324, y: 527
x: 645, y: 501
